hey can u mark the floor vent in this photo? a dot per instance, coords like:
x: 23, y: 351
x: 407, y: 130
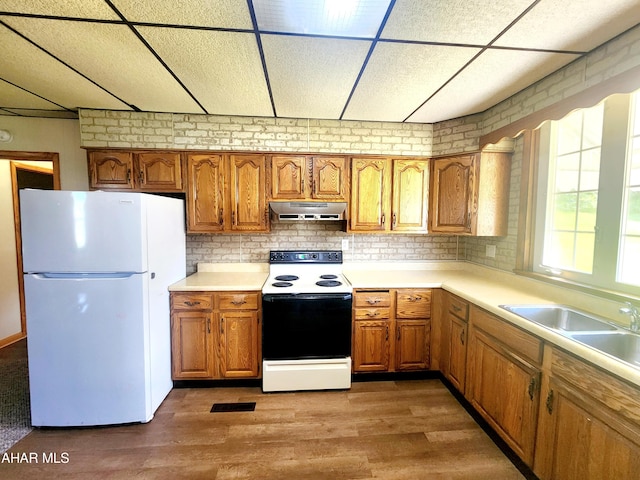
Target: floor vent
x: 234, y: 407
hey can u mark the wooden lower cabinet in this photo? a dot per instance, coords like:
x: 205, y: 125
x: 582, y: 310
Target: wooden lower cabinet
x: 191, y: 345
x: 215, y: 335
x: 589, y: 427
x: 391, y: 330
x: 503, y: 379
x: 453, y: 333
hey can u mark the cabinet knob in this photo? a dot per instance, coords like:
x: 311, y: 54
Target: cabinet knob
x: 532, y: 387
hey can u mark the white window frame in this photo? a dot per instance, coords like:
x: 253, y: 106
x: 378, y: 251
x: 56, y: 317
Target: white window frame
x: 615, y: 144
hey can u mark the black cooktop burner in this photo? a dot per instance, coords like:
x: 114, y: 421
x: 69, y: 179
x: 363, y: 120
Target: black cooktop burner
x: 282, y: 284
x: 287, y: 278
x: 328, y: 283
x: 328, y: 277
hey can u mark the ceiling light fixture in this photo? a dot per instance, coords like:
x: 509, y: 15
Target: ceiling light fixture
x: 5, y: 136
x: 346, y: 18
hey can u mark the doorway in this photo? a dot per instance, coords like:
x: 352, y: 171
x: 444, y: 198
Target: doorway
x: 18, y: 170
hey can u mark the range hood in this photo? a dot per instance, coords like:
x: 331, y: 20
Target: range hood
x: 309, y: 210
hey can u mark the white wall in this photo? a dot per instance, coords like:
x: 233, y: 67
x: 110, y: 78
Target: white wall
x: 51, y: 135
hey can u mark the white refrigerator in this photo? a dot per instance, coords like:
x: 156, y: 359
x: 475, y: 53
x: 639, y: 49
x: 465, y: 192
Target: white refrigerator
x: 97, y: 267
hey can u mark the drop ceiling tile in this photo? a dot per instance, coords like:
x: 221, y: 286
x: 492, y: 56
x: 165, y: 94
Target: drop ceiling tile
x: 470, y: 22
x: 14, y: 97
x: 399, y: 77
x: 32, y: 69
x: 222, y: 69
x: 115, y: 58
x: 577, y: 25
x: 97, y: 9
x: 492, y: 77
x: 209, y: 13
x: 312, y: 77
x: 347, y: 18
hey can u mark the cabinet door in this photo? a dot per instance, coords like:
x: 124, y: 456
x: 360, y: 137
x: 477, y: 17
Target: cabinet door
x: 111, y: 170
x: 329, y: 178
x: 410, y: 195
x: 205, y: 194
x: 451, y: 203
x: 412, y: 344
x: 159, y: 172
x: 371, y: 346
x: 239, y: 344
x: 370, y: 194
x: 288, y: 177
x: 584, y: 441
x: 505, y: 391
x: 191, y: 345
x: 248, y: 193
x: 457, y: 351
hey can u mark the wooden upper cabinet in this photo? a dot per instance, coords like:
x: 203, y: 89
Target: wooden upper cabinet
x: 288, y: 177
x: 469, y: 194
x: 249, y: 209
x: 452, y: 187
x: 389, y: 195
x: 410, y: 195
x: 329, y: 178
x: 111, y: 170
x: 159, y: 171
x: 370, y: 194
x: 303, y: 177
x: 205, y: 193
x: 143, y: 171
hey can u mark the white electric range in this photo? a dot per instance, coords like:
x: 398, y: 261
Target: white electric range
x: 306, y: 327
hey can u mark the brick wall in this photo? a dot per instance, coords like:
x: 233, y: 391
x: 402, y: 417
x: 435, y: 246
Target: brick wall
x: 167, y: 130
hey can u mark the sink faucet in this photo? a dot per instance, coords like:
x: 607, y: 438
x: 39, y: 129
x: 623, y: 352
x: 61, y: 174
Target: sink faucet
x: 634, y: 313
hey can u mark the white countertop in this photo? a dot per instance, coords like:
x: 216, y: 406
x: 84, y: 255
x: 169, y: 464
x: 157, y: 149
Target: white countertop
x: 488, y: 288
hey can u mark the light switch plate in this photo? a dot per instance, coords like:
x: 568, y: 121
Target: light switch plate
x: 345, y: 244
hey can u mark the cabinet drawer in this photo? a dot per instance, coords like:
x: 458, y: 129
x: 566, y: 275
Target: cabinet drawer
x: 458, y: 307
x: 238, y: 301
x: 373, y: 299
x: 519, y: 341
x: 372, y: 313
x: 192, y: 301
x: 413, y: 304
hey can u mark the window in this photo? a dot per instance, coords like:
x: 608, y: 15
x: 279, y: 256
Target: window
x: 587, y: 226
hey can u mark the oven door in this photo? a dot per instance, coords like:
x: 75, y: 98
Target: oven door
x: 306, y: 326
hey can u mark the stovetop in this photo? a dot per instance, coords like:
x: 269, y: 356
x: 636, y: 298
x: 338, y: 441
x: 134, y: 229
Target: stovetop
x: 314, y: 272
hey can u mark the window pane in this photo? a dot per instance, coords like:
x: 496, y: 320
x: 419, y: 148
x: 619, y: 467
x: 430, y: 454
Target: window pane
x: 588, y: 204
x: 592, y: 134
x: 564, y: 211
x: 569, y: 133
x: 567, y: 173
x: 590, y: 169
x: 629, y: 270
x: 634, y: 173
x: 559, y: 250
x: 584, y: 252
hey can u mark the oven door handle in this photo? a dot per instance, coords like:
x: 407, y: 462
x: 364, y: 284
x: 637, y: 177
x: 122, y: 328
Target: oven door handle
x: 288, y: 297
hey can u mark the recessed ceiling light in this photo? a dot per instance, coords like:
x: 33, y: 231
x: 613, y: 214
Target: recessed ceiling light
x: 346, y: 18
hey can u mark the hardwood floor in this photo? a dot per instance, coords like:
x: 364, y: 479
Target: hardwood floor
x: 384, y: 430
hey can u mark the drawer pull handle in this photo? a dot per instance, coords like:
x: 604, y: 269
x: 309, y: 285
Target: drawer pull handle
x: 373, y: 314
x: 222, y: 325
x: 239, y: 302
x: 549, y: 402
x: 462, y: 336
x: 208, y: 325
x: 456, y: 308
x: 189, y: 303
x: 373, y: 301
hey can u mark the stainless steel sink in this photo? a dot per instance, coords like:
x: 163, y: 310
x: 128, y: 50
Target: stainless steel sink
x: 624, y: 346
x: 560, y: 317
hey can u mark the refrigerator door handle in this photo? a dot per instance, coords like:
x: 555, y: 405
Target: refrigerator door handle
x: 83, y: 276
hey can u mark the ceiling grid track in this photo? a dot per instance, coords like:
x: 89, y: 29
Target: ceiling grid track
x: 265, y: 70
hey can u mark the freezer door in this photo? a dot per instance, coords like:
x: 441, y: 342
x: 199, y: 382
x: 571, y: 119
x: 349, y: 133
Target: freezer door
x: 88, y: 350
x: 65, y: 231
